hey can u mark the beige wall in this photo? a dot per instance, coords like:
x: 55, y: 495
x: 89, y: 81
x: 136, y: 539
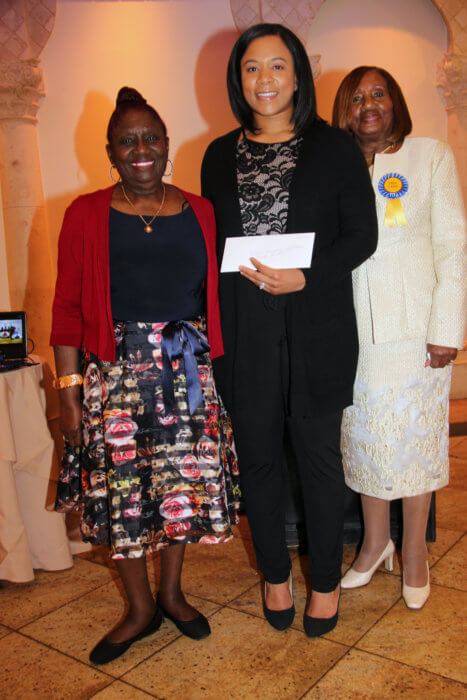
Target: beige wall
x: 170, y: 50
x: 175, y: 53
x: 407, y: 37
x: 4, y: 291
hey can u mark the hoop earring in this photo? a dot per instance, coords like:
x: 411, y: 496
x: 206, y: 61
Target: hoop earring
x: 110, y: 174
x: 171, y: 168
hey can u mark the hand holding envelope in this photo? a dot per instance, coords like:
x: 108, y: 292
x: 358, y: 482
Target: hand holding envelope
x: 273, y: 262
x: 287, y: 250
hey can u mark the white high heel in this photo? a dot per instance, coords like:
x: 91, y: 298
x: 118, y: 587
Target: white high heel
x: 355, y: 579
x: 415, y: 597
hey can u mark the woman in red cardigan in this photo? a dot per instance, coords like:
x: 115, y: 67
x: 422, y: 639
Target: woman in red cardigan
x: 149, y: 452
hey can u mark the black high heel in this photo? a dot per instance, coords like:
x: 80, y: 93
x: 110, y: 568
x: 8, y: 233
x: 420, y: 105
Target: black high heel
x: 105, y: 651
x: 280, y: 619
x: 195, y: 629
x: 317, y: 626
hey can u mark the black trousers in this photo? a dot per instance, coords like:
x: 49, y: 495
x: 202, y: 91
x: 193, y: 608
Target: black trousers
x: 259, y: 426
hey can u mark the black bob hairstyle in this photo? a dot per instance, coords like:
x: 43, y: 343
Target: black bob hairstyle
x: 304, y: 113
x: 129, y: 98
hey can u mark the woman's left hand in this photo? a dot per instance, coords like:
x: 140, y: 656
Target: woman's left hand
x: 440, y: 355
x: 274, y: 281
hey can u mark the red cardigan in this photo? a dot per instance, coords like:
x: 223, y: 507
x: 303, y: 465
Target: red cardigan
x: 81, y: 315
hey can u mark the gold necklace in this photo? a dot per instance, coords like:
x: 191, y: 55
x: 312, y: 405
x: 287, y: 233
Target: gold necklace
x: 380, y: 153
x: 388, y: 148
x: 147, y: 224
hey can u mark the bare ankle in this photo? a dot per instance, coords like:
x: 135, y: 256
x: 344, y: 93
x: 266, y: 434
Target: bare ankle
x: 278, y: 595
x: 323, y: 604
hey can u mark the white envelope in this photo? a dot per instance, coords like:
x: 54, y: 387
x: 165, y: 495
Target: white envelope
x: 287, y: 250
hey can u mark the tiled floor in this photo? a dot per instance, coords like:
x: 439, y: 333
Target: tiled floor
x: 379, y: 649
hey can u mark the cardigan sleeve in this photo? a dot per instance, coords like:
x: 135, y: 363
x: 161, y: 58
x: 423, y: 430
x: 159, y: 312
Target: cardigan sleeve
x: 67, y: 319
x: 358, y: 225
x: 214, y: 324
x: 448, y: 239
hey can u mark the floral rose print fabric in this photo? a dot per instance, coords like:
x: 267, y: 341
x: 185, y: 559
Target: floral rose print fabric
x: 150, y: 476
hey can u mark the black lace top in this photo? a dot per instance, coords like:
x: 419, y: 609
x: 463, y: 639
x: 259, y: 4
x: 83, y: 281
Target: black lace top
x: 264, y: 172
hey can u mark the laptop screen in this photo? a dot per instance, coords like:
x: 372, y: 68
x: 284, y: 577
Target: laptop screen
x: 13, y: 335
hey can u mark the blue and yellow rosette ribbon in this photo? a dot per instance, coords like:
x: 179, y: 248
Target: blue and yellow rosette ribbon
x: 393, y: 186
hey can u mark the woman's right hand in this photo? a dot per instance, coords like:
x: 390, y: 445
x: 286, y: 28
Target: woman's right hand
x: 66, y: 362
x: 439, y: 356
x: 70, y: 418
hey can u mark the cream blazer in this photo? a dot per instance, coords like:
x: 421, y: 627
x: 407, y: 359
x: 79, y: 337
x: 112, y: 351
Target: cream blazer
x: 416, y: 277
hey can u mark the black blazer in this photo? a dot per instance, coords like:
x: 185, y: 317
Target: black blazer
x: 331, y: 194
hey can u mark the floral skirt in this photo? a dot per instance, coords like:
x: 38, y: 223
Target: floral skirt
x: 157, y: 465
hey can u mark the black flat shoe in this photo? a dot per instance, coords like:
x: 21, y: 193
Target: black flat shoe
x: 317, y: 626
x: 280, y: 619
x: 195, y: 629
x: 105, y: 651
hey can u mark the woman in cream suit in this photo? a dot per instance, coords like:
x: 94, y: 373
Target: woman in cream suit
x: 410, y: 304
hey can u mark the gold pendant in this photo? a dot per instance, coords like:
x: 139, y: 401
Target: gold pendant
x: 148, y: 229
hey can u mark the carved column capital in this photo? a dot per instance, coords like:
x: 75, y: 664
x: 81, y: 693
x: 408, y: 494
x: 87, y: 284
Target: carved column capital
x: 21, y: 89
x: 315, y: 63
x: 297, y: 15
x: 451, y: 78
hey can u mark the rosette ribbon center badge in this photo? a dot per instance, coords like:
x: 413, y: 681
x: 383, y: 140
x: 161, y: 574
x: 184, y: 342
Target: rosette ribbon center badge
x: 393, y: 187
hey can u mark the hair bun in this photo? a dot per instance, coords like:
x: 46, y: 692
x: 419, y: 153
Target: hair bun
x: 128, y: 94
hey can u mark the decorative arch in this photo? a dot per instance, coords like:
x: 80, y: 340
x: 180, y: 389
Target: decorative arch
x: 299, y: 14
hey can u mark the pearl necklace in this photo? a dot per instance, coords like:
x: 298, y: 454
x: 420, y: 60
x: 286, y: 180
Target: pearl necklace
x: 147, y: 224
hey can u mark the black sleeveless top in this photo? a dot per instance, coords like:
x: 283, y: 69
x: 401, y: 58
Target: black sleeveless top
x: 157, y: 276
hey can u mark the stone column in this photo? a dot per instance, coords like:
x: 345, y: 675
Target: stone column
x: 452, y: 81
x: 26, y: 233
x: 25, y: 28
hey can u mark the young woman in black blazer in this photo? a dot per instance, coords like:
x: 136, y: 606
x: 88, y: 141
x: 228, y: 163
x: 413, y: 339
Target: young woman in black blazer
x: 290, y: 335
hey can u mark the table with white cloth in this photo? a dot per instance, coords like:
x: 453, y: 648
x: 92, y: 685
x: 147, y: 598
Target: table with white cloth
x: 31, y: 537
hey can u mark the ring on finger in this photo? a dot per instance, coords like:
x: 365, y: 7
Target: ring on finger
x: 262, y: 286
